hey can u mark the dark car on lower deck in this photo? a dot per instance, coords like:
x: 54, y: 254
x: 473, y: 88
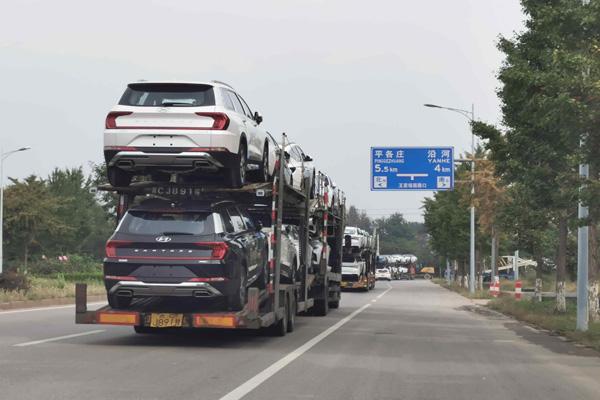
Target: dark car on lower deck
x: 190, y: 249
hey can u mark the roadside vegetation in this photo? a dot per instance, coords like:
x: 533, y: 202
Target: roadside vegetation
x: 527, y: 182
x: 543, y: 315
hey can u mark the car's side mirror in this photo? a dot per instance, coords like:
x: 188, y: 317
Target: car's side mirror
x: 257, y: 117
x: 307, y: 158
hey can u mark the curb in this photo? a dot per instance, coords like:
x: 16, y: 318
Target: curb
x: 13, y: 305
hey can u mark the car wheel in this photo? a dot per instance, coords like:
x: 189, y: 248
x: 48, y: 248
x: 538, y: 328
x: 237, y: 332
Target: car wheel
x: 263, y: 280
x: 280, y: 328
x: 238, y: 172
x: 237, y: 301
x: 118, y: 177
x: 291, y: 319
x: 119, y: 302
x: 263, y: 171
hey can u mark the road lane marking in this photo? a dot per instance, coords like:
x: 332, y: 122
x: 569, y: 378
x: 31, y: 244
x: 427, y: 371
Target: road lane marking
x: 22, y: 310
x: 54, y: 339
x: 258, y: 379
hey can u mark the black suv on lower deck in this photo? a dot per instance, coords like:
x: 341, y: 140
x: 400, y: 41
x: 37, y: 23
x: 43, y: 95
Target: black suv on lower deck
x: 191, y: 249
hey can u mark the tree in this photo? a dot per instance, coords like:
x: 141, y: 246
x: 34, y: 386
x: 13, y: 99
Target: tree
x: 31, y: 213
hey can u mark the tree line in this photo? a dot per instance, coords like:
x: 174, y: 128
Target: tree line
x: 528, y: 181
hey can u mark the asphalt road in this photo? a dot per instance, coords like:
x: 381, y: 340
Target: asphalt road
x: 414, y: 341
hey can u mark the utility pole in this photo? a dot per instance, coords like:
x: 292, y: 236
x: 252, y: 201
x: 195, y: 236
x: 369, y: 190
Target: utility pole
x: 470, y: 115
x: 582, y: 242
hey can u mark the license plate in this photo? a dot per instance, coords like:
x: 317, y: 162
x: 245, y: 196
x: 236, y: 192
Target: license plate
x: 166, y: 320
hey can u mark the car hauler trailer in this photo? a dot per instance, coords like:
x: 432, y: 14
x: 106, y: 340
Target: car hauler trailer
x: 367, y: 255
x: 276, y: 203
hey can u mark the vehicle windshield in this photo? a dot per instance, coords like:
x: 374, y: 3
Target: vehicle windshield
x: 350, y: 231
x: 167, y: 223
x: 168, y: 95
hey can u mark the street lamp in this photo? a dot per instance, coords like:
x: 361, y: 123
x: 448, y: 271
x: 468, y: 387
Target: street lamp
x: 4, y: 156
x: 470, y: 115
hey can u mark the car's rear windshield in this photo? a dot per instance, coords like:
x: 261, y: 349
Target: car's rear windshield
x: 350, y: 231
x: 168, y: 95
x: 167, y: 223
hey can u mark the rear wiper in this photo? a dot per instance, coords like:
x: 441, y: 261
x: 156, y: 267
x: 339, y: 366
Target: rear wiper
x: 177, y: 233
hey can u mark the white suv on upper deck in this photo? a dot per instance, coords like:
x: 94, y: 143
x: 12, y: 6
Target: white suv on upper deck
x: 200, y: 129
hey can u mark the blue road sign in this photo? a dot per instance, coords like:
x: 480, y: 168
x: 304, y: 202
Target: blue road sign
x: 412, y: 168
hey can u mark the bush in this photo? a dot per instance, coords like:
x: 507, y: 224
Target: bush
x: 76, y: 264
x: 14, y: 281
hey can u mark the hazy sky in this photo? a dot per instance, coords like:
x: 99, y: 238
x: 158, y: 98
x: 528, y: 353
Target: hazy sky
x: 339, y: 76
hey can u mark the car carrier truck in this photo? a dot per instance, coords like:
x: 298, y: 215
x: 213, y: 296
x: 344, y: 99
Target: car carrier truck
x: 316, y: 289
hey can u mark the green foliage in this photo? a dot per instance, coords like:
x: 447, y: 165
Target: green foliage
x: 45, y: 218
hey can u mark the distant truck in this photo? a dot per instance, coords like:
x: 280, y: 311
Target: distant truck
x: 354, y: 274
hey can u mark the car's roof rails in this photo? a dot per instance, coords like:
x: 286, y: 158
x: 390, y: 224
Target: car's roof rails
x: 223, y: 83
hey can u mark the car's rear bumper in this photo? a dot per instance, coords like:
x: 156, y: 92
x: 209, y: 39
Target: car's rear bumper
x: 137, y: 289
x: 187, y: 160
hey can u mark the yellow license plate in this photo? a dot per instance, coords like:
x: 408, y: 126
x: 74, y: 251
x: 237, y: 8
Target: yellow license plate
x: 164, y: 320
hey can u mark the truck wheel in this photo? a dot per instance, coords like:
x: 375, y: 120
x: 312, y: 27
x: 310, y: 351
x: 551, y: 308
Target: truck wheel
x: 237, y: 301
x: 237, y: 173
x: 263, y: 170
x: 321, y: 307
x: 291, y: 319
x: 280, y: 328
x: 118, y: 177
x: 119, y: 302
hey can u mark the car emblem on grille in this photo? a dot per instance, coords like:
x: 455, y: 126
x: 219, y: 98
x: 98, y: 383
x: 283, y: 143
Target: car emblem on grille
x: 163, y: 239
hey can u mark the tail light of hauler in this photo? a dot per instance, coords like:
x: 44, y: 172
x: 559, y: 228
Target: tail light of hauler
x: 112, y: 245
x: 111, y: 118
x: 220, y: 120
x: 218, y: 249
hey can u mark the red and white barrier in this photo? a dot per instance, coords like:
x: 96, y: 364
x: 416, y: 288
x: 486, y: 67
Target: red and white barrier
x: 495, y: 287
x: 518, y: 290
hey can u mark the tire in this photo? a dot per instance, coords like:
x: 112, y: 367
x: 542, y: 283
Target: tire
x: 291, y: 319
x: 237, y: 173
x: 119, y: 302
x: 321, y: 307
x: 238, y: 300
x: 117, y: 177
x: 334, y: 304
x: 313, y: 186
x: 280, y: 328
x: 263, y: 170
x: 263, y: 279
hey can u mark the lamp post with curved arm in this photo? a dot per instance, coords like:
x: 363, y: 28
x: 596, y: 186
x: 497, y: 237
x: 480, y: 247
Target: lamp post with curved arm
x: 470, y: 115
x: 4, y: 156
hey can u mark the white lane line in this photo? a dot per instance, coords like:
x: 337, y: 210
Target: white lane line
x: 22, y: 310
x: 54, y: 339
x: 265, y: 374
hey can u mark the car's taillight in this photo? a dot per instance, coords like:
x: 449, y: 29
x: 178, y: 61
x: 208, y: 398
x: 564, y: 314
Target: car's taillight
x: 218, y: 249
x: 111, y: 118
x: 112, y: 245
x: 220, y: 120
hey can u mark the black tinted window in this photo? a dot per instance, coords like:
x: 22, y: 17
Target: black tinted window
x: 168, y: 95
x: 226, y: 221
x: 247, y: 220
x: 167, y: 223
x: 236, y: 219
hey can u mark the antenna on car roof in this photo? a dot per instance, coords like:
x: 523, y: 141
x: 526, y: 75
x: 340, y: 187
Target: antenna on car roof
x: 223, y: 83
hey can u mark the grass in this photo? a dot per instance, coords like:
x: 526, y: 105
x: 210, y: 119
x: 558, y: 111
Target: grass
x: 50, y: 288
x: 542, y: 314
x: 479, y: 294
x: 528, y: 280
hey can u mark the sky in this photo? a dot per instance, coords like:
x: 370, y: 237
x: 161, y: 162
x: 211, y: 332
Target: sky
x: 338, y: 76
